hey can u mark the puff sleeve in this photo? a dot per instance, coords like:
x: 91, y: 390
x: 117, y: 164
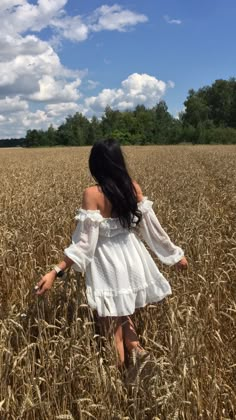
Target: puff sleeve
x: 156, y: 238
x: 84, y: 239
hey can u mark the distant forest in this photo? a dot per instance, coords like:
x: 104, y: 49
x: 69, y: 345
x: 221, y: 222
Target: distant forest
x: 209, y: 117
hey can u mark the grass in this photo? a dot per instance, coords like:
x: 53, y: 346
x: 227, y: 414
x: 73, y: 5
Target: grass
x: 51, y: 366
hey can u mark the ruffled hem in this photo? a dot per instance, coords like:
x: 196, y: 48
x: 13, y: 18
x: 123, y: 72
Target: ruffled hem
x: 122, y: 304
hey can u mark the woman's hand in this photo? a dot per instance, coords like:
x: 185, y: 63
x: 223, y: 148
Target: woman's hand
x: 182, y: 264
x: 45, y: 283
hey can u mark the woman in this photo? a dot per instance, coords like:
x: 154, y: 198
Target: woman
x: 120, y: 273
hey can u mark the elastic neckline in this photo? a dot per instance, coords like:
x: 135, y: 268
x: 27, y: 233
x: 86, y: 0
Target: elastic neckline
x: 108, y: 218
x: 99, y: 212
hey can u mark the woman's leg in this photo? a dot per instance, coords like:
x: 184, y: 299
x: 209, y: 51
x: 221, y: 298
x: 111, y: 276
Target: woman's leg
x: 124, y: 333
x: 112, y: 326
x: 119, y: 340
x: 130, y: 335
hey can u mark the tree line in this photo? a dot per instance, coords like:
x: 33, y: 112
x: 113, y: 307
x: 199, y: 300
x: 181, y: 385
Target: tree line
x: 209, y: 117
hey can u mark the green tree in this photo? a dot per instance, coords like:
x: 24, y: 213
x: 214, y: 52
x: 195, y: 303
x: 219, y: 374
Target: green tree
x: 95, y: 130
x: 110, y: 121
x: 51, y: 136
x: 164, y: 124
x: 196, y: 109
x: 35, y: 138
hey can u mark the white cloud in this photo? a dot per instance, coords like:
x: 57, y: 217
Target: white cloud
x: 56, y: 90
x: 114, y: 18
x: 92, y: 84
x: 12, y: 46
x: 15, y: 124
x: 136, y: 89
x: 27, y: 75
x: 8, y: 4
x: 31, y: 66
x: 71, y: 28
x: 171, y: 84
x: 63, y: 109
x: 21, y: 16
x: 31, y: 70
x: 172, y: 21
x: 110, y: 18
x: 38, y: 119
x: 12, y: 105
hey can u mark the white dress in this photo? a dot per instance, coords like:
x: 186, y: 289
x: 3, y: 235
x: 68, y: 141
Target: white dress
x: 120, y: 272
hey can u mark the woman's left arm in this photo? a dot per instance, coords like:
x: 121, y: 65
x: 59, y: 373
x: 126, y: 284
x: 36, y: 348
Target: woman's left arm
x: 157, y: 239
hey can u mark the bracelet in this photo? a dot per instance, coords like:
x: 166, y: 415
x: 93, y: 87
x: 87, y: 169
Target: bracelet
x: 59, y: 271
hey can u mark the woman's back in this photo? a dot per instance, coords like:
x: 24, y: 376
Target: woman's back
x: 95, y: 199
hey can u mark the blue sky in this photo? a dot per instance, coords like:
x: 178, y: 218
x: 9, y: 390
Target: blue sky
x: 63, y: 56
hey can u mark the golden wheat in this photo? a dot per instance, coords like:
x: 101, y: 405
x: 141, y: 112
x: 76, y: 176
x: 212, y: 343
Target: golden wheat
x: 52, y: 365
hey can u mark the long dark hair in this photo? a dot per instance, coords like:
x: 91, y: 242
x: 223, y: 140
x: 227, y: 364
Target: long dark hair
x: 108, y: 168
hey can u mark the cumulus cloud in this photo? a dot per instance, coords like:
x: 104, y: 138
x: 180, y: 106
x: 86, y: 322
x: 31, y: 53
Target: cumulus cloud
x: 62, y: 109
x: 21, y: 16
x: 12, y: 105
x: 31, y: 71
x: 113, y: 18
x: 32, y: 65
x: 56, y: 90
x: 12, y: 46
x: 15, y: 122
x: 71, y: 28
x: 36, y: 119
x: 109, y: 18
x: 7, y: 4
x: 136, y: 89
x: 27, y: 71
x: 172, y: 21
x: 29, y: 75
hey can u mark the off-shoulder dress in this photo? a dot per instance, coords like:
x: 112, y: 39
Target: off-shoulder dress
x: 121, y: 275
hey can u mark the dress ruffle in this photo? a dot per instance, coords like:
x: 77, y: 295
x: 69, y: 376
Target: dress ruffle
x: 145, y: 205
x: 125, y: 302
x: 93, y: 215
x: 110, y: 222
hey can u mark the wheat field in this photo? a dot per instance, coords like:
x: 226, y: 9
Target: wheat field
x: 51, y: 363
